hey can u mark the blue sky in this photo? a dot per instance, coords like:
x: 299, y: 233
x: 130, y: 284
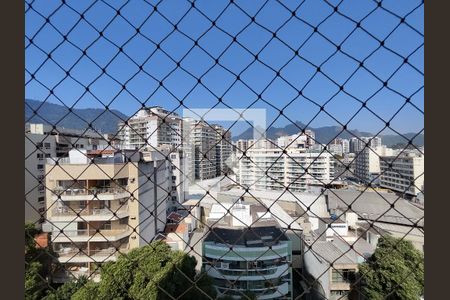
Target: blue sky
x: 256, y: 79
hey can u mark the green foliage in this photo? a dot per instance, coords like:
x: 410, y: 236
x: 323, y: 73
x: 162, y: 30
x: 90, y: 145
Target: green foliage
x: 39, y: 264
x: 66, y: 291
x: 35, y: 285
x: 149, y: 272
x: 394, y: 271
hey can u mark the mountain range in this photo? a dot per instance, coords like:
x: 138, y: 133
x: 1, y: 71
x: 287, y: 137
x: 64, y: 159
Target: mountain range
x: 326, y: 134
x: 105, y: 121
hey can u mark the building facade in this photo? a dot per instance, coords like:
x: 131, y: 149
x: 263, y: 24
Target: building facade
x: 367, y: 163
x: 207, y: 148
x: 260, y: 257
x: 99, y: 206
x: 406, y: 175
x: 271, y: 169
x: 42, y: 142
x: 151, y: 127
x: 224, y: 150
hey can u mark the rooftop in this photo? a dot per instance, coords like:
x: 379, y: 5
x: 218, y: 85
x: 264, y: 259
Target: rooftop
x: 250, y: 237
x: 339, y: 251
x: 379, y: 206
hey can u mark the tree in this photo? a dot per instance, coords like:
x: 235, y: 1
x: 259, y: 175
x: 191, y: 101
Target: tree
x: 150, y: 272
x: 394, y: 271
x: 39, y: 264
x: 66, y: 291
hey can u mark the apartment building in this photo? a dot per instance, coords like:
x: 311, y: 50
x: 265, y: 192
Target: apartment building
x: 204, y: 140
x: 224, y: 149
x: 345, y: 146
x: 241, y: 145
x: 178, y: 183
x: 406, y: 175
x: 334, y: 265
x: 102, y: 204
x: 275, y: 169
x: 42, y: 142
x: 335, y: 148
x: 207, y: 149
x: 241, y: 258
x: 367, y: 163
x: 299, y: 140
x: 357, y: 144
x: 151, y: 127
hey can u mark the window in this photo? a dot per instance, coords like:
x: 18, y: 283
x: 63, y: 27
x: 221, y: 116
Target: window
x: 343, y: 275
x: 47, y: 145
x: 40, y: 167
x: 47, y: 155
x: 106, y: 225
x: 39, y: 155
x: 41, y: 199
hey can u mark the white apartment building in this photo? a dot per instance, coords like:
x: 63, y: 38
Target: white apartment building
x: 292, y: 141
x: 335, y: 149
x: 240, y: 258
x: 100, y: 204
x: 241, y: 145
x: 367, y: 163
x: 206, y: 149
x: 357, y: 144
x: 42, y: 142
x: 151, y: 127
x: 271, y: 169
x: 224, y: 149
x: 406, y: 175
x: 345, y: 146
x: 299, y: 140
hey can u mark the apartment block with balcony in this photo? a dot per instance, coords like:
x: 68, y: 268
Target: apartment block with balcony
x: 367, y: 163
x: 101, y: 206
x: 42, y: 142
x: 151, y: 127
x: 273, y: 169
x: 245, y: 250
x: 404, y: 173
x: 224, y: 149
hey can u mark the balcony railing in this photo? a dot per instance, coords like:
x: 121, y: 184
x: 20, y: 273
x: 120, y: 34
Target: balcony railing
x: 92, y: 191
x: 106, y: 252
x: 66, y: 211
x: 90, y: 232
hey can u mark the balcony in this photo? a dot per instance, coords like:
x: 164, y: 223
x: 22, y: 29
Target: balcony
x: 83, y: 194
x: 91, y: 235
x: 75, y: 255
x: 76, y: 214
x: 265, y: 272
